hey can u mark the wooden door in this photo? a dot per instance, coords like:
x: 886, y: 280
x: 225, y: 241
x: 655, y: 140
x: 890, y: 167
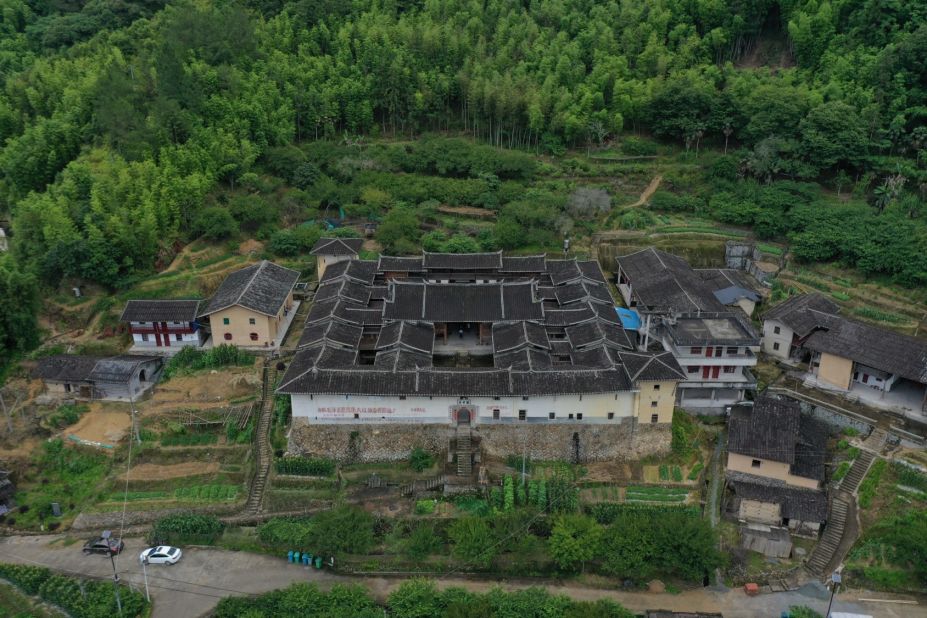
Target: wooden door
x: 706, y: 371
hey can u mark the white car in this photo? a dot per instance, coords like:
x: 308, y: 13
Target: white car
x: 162, y: 554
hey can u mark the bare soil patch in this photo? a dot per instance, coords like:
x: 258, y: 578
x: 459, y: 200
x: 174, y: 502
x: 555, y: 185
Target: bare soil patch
x: 250, y: 246
x: 156, y: 472
x: 104, y: 423
x: 610, y: 471
x: 203, y: 389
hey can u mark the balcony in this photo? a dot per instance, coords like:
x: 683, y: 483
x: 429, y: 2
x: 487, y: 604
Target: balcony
x: 744, y: 379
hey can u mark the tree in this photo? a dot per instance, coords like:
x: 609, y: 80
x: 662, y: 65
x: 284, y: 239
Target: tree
x: 832, y: 134
x: 19, y: 309
x: 344, y: 529
x: 575, y: 539
x: 215, y: 223
x: 400, y: 224
x: 472, y: 541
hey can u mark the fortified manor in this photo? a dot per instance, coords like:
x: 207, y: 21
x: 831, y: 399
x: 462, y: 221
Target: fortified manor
x: 518, y: 354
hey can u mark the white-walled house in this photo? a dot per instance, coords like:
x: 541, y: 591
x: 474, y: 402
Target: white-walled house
x: 330, y: 251
x: 163, y: 325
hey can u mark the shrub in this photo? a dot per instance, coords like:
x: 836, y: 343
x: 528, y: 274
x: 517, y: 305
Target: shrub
x: 67, y: 415
x: 635, y: 146
x: 81, y: 598
x: 677, y: 474
x: 841, y: 471
x: 664, y: 472
x: 696, y: 469
x: 193, y: 359
x: 508, y: 494
x: 186, y: 527
x: 420, y: 459
x: 214, y: 223
x: 425, y: 507
x: 423, y: 540
x: 472, y: 539
x: 289, y: 532
x: 344, y: 529
x: 305, y: 466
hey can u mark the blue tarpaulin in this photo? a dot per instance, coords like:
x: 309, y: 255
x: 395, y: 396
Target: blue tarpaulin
x: 630, y: 319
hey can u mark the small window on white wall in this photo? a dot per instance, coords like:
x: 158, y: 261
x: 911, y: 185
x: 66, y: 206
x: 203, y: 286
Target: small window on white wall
x: 777, y: 330
x: 775, y: 346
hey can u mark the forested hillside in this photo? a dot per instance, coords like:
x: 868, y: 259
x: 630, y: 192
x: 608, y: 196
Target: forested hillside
x: 130, y: 127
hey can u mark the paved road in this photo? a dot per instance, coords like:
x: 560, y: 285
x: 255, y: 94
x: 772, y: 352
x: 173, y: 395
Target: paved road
x: 192, y: 587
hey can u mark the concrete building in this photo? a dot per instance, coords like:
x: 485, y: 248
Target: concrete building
x: 163, y: 325
x: 330, y: 251
x: 700, y: 316
x: 253, y: 307
x: 475, y: 341
x: 775, y: 465
x: 117, y: 378
x: 876, y: 366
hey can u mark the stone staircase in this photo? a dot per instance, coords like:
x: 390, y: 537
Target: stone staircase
x: 875, y: 442
x: 432, y: 484
x: 828, y: 547
x: 856, y: 474
x: 262, y: 453
x: 464, y: 452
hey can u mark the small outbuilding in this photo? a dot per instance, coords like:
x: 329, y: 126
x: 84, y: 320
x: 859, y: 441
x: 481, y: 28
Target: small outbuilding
x: 163, y: 325
x: 333, y: 250
x: 118, y: 378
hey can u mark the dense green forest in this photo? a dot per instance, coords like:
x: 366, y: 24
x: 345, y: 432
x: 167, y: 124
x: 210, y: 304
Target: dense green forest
x: 131, y: 127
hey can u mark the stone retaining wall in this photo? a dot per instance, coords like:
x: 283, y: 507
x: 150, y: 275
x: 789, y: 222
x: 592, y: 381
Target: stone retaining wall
x: 625, y: 441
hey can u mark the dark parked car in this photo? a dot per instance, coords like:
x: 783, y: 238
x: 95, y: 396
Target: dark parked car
x: 103, y: 545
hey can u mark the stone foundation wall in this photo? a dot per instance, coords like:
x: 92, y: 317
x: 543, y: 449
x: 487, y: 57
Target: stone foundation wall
x: 625, y: 441
x: 365, y: 443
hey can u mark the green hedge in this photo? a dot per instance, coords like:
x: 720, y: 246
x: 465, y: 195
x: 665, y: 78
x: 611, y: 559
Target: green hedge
x: 186, y: 528
x: 189, y: 439
x: 81, y: 598
x: 207, y: 493
x: 304, y: 466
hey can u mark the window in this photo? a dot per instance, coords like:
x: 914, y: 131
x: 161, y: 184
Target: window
x: 777, y: 330
x: 522, y: 415
x: 653, y: 404
x: 144, y: 336
x: 579, y: 416
x: 178, y: 337
x: 402, y: 397
x: 570, y: 416
x: 551, y: 415
x: 728, y: 369
x: 654, y: 418
x: 254, y: 336
x: 495, y: 414
x: 693, y: 369
x: 611, y: 415
x: 776, y: 346
x: 228, y: 336
x: 755, y: 463
x: 225, y: 321
x: 356, y: 415
x: 251, y: 321
x: 524, y: 399
x: 496, y: 398
x: 695, y: 350
x: 656, y: 387
x: 732, y: 351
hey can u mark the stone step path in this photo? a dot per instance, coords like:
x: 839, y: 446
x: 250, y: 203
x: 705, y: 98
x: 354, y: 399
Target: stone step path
x: 827, y: 547
x: 857, y: 472
x: 262, y: 453
x: 875, y: 441
x: 464, y: 452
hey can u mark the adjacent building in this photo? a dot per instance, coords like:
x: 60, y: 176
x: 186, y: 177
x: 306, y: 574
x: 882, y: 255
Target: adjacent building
x: 118, y: 378
x: 253, y: 307
x: 330, y: 251
x: 879, y: 367
x: 701, y: 317
x: 163, y: 325
x: 479, y: 341
x: 775, y: 465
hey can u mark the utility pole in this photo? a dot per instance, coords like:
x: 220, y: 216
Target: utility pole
x: 135, y: 432
x: 145, y: 571
x: 835, y: 579
x: 112, y: 559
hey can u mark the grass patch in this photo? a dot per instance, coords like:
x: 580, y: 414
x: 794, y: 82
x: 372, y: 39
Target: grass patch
x: 695, y: 471
x: 841, y: 471
x: 207, y: 493
x: 867, y: 489
x: 771, y: 249
x: 189, y: 439
x: 841, y: 295
x: 879, y: 316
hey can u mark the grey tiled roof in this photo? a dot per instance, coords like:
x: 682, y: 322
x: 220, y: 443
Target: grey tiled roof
x: 261, y: 287
x: 875, y: 347
x: 77, y: 368
x: 803, y: 312
x: 160, y: 311
x: 665, y: 283
x: 795, y: 503
x: 337, y: 246
x: 768, y: 430
x: 65, y: 367
x: 462, y: 261
x: 462, y: 302
x: 643, y: 367
x: 391, y: 301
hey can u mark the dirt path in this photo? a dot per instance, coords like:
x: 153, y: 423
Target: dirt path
x: 155, y: 472
x: 193, y: 586
x: 648, y: 192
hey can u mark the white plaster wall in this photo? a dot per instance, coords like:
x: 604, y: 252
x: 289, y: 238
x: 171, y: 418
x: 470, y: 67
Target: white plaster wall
x: 342, y: 408
x: 784, y: 339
